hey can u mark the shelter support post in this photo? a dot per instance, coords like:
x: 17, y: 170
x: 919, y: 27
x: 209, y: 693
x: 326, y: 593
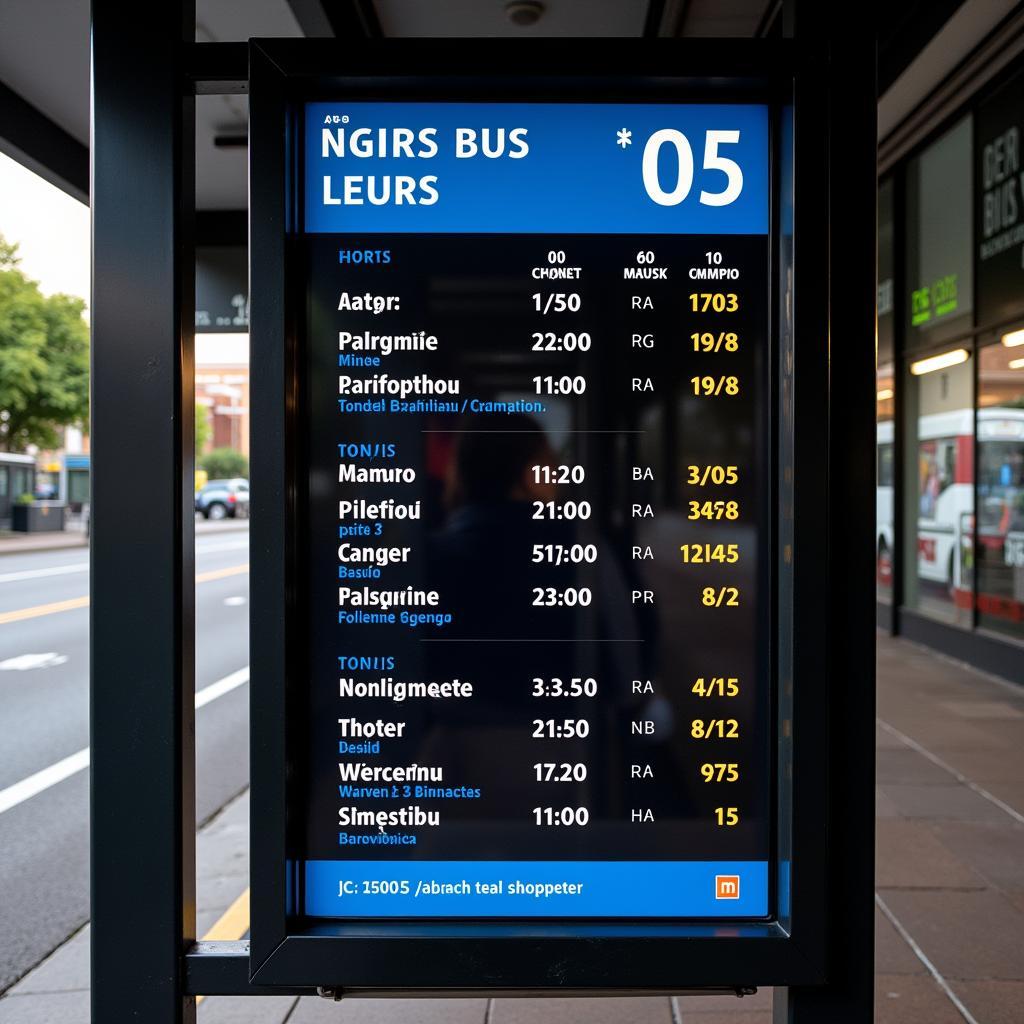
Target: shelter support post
x: 142, y: 598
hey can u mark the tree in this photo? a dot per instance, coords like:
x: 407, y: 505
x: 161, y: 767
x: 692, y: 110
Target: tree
x: 224, y: 463
x: 203, y: 429
x: 44, y: 360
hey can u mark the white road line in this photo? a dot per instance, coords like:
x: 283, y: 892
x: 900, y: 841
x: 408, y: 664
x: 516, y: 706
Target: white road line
x: 222, y: 686
x: 959, y: 776
x: 61, y: 770
x: 234, y: 545
x: 38, y: 574
x: 922, y: 956
x: 28, y: 788
x: 67, y: 570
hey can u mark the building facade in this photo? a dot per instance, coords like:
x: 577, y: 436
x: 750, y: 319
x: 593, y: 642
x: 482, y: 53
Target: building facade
x: 950, y: 379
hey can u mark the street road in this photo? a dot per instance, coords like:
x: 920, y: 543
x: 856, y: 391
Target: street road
x: 44, y: 721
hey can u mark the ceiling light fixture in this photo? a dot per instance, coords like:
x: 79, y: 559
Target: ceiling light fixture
x: 1013, y: 338
x: 939, y: 362
x: 524, y: 13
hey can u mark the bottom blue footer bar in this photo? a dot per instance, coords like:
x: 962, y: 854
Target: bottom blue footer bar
x: 522, y: 888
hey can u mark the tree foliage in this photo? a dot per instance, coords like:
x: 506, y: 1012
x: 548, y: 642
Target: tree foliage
x: 224, y: 463
x: 203, y: 429
x: 44, y: 360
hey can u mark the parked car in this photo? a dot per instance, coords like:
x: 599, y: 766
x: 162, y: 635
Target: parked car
x: 223, y: 499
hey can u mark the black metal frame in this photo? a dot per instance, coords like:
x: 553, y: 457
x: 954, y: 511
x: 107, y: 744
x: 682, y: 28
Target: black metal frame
x: 146, y: 963
x: 466, y: 955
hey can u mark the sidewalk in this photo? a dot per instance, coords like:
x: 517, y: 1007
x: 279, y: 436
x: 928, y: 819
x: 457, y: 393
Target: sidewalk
x: 950, y: 886
x: 73, y: 536
x: 12, y: 543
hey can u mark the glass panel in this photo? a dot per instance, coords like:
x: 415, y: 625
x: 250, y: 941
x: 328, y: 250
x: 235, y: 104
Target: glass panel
x: 3, y: 481
x: 939, y: 491
x: 21, y: 482
x: 939, y: 239
x: 1001, y: 489
x: 78, y: 486
x: 884, y: 540
x: 998, y: 126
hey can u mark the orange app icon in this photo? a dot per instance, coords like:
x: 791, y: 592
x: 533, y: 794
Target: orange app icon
x: 727, y: 887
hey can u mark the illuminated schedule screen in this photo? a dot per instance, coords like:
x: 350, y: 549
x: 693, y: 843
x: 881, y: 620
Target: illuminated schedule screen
x: 536, y: 494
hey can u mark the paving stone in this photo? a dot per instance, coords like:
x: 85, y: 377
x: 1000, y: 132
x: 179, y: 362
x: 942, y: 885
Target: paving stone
x: 941, y: 803
x: 907, y: 765
x: 892, y: 954
x: 984, y: 766
x: 970, y: 935
x: 217, y: 894
x: 65, y: 970
x: 940, y: 734
x: 999, y: 710
x: 885, y: 806
x: 994, y: 1002
x: 245, y: 1009
x: 206, y: 919
x: 312, y: 1010
x: 912, y: 999
x: 886, y: 741
x: 1011, y: 792
x: 996, y: 851
x: 62, y: 1007
x: 223, y: 846
x: 909, y: 855
x: 572, y: 1010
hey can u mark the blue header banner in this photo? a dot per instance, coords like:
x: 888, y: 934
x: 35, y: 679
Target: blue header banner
x: 544, y: 168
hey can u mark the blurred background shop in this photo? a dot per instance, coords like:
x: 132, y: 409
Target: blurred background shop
x: 950, y: 387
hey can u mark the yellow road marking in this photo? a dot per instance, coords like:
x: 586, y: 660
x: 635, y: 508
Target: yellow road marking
x: 20, y: 614
x: 219, y: 574
x: 43, y: 609
x: 230, y: 926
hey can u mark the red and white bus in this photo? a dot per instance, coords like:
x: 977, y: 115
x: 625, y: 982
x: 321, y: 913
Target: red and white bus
x: 944, y: 492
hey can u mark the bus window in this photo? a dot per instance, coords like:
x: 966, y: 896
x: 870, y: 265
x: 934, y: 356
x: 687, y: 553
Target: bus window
x: 1000, y: 528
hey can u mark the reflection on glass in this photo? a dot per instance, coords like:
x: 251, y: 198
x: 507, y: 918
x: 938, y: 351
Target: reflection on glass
x: 938, y: 492
x: 884, y: 480
x: 939, y: 212
x: 884, y: 385
x: 1001, y: 489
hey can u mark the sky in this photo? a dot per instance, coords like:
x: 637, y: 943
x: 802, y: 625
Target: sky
x: 51, y: 229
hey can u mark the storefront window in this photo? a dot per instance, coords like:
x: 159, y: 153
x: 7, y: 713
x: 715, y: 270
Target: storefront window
x: 940, y: 279
x: 885, y: 467
x: 937, y: 417
x: 1000, y: 541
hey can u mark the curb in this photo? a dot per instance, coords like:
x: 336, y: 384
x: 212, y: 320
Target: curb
x: 31, y: 549
x: 17, y: 548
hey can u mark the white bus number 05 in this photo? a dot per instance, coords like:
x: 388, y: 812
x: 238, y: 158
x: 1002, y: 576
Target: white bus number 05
x: 684, y: 182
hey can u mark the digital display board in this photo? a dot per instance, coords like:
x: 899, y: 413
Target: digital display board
x: 535, y: 483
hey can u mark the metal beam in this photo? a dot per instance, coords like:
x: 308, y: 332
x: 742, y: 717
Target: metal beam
x: 30, y: 137
x: 218, y: 69
x: 222, y: 227
x: 312, y: 18
x: 342, y: 19
x: 352, y: 19
x: 222, y: 969
x: 841, y: 128
x: 142, y: 575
